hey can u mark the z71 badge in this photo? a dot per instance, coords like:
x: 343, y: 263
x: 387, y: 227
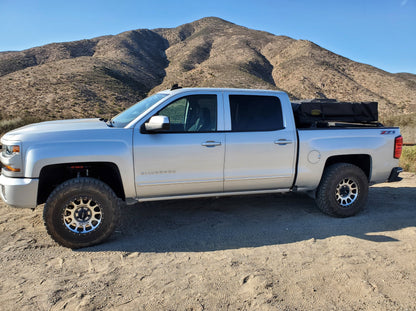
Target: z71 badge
x: 387, y: 132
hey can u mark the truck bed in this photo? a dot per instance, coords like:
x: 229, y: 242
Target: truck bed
x: 323, y: 113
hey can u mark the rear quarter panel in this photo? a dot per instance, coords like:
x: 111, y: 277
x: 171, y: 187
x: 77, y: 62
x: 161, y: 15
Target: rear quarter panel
x: 316, y: 146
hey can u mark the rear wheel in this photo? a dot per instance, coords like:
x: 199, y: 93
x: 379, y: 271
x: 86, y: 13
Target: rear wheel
x: 81, y: 212
x: 343, y: 190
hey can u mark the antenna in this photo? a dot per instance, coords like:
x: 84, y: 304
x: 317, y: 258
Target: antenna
x: 175, y: 87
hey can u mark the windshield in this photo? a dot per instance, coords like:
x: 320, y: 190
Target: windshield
x: 128, y: 115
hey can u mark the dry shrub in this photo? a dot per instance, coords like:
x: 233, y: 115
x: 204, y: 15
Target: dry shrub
x: 408, y: 159
x: 7, y: 125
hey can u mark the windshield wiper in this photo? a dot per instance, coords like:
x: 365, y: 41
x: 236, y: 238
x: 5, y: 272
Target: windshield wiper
x: 108, y: 122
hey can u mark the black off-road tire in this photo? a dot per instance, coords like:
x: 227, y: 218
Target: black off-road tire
x: 343, y: 190
x: 81, y: 212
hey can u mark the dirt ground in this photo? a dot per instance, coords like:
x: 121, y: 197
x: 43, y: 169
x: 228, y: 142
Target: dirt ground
x: 269, y: 252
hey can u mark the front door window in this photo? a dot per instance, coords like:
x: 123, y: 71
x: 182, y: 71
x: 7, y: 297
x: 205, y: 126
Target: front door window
x: 194, y: 113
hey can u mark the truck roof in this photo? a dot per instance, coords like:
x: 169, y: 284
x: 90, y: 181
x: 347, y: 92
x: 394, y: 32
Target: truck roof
x: 202, y: 89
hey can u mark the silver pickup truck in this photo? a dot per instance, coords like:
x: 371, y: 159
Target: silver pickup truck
x: 188, y: 143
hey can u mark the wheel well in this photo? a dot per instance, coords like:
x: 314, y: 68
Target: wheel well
x: 363, y: 161
x: 53, y: 175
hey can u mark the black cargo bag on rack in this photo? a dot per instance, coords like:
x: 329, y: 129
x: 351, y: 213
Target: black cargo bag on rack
x: 327, y: 110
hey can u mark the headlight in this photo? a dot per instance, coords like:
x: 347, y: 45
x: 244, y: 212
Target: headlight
x: 11, y: 160
x: 11, y: 150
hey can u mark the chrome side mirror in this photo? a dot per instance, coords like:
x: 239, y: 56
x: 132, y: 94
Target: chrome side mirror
x: 157, y: 123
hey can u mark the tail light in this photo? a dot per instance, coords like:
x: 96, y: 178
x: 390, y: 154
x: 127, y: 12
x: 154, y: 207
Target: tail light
x: 398, y: 147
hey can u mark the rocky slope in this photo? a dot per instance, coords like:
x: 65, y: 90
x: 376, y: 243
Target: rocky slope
x: 102, y: 76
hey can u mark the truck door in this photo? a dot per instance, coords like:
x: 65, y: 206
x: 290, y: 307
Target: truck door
x: 189, y: 157
x: 261, y: 147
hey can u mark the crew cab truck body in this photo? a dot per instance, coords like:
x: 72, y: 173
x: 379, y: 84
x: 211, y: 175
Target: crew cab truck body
x: 187, y: 143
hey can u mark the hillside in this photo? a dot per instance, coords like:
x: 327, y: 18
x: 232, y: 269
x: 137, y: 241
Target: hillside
x: 104, y: 75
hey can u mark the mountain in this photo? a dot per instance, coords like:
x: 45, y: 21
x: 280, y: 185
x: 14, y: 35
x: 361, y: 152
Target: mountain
x: 104, y: 75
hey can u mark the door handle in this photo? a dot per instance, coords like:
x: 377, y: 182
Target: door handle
x: 211, y: 143
x: 282, y: 142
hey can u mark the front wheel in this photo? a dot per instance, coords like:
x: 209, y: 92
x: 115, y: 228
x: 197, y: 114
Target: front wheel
x: 343, y: 190
x: 81, y: 212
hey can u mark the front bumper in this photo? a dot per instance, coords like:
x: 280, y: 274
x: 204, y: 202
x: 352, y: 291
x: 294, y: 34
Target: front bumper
x: 394, y: 175
x: 19, y: 192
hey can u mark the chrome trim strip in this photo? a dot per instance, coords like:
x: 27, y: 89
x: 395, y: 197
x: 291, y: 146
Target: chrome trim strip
x: 256, y: 178
x: 180, y: 182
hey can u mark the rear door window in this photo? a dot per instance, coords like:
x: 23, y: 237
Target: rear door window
x: 250, y: 113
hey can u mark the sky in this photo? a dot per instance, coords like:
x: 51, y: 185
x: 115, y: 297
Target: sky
x: 381, y: 33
